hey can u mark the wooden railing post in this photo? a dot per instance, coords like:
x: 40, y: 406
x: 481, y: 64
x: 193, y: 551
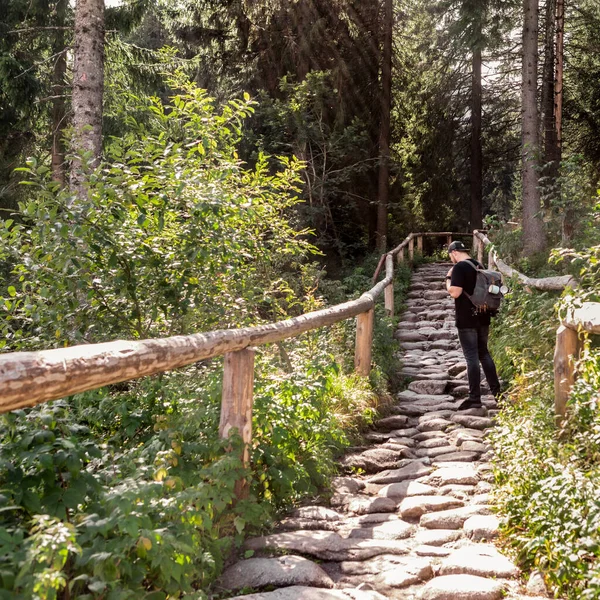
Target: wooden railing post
x: 480, y: 250
x: 236, y: 403
x: 364, y: 342
x: 411, y: 249
x: 565, y: 354
x: 401, y: 256
x: 448, y: 240
x: 491, y: 260
x: 420, y: 244
x: 389, y: 300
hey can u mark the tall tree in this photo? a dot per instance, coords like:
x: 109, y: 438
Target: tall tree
x: 476, y: 144
x: 534, y: 239
x: 385, y: 127
x: 88, y: 86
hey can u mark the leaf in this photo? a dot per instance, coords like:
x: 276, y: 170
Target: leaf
x: 12, y: 292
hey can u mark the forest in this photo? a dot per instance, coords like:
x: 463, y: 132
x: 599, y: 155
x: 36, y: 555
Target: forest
x: 182, y: 166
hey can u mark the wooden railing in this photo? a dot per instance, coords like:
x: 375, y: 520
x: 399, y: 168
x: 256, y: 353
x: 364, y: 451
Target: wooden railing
x: 568, y: 344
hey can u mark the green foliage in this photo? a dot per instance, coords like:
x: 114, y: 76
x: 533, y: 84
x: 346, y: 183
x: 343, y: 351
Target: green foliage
x: 550, y: 508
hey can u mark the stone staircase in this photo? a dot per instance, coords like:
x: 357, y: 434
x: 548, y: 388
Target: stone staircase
x: 416, y: 523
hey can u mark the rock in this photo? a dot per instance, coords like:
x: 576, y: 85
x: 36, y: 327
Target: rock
x: 479, y: 559
x: 434, y: 425
x: 375, y: 518
x: 317, y: 512
x: 435, y: 452
x: 414, y: 470
x: 463, y: 475
x: 399, y: 441
x: 460, y: 456
x: 481, y: 527
x: 458, y: 369
x: 347, y: 485
x: 326, y: 545
x: 480, y: 499
x: 472, y: 446
x: 310, y: 593
x: 376, y: 459
x: 473, y: 421
x: 281, y: 571
x: 428, y: 386
x: 391, y: 530
x: 462, y: 587
x: 432, y: 551
x: 428, y: 435
x: 437, y: 537
x: 410, y: 396
x: 361, y: 505
x: 458, y: 491
x: 391, y: 423
x: 404, y: 433
x: 404, y: 489
x: 451, y: 519
x: 483, y: 487
x: 435, y: 442
x: 416, y: 506
x: 295, y: 524
x: 377, y: 437
x: 536, y: 586
x: 409, y: 336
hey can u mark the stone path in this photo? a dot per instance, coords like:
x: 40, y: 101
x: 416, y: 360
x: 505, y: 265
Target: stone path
x: 416, y: 524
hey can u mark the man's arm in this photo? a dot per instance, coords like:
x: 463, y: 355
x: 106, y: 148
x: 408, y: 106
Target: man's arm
x: 454, y: 290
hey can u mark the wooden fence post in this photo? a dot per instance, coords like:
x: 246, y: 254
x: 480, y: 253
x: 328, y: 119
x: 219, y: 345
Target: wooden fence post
x: 448, y: 240
x: 411, y: 249
x: 236, y: 403
x: 480, y: 249
x: 420, y: 244
x: 491, y: 260
x: 401, y: 256
x: 565, y: 354
x: 364, y: 342
x: 389, y: 299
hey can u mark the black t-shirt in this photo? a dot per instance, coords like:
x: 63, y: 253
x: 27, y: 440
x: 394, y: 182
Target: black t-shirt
x: 464, y: 276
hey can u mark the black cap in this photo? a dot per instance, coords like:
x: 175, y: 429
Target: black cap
x: 459, y: 246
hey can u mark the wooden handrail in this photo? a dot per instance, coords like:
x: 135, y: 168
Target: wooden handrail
x: 29, y: 378
x: 546, y: 283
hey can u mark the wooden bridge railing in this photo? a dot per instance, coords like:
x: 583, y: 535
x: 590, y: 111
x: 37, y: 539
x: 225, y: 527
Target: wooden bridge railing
x: 568, y: 345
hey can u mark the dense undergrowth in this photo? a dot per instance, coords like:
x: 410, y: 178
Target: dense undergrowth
x: 549, y: 479
x: 127, y: 492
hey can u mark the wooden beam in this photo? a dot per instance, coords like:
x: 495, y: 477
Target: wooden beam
x: 236, y: 404
x: 420, y: 244
x: 364, y: 342
x: 565, y: 355
x: 411, y: 249
x: 389, y: 300
x: 401, y: 255
x: 449, y: 239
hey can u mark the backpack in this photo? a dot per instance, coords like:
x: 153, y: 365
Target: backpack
x: 486, y: 296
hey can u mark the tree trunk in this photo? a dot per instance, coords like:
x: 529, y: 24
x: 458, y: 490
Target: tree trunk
x: 88, y: 87
x: 58, y: 93
x: 550, y: 156
x: 533, y: 227
x: 385, y: 128
x: 558, y: 85
x: 476, y: 151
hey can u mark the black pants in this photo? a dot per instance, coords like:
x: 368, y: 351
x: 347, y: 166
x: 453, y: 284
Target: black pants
x: 474, y: 347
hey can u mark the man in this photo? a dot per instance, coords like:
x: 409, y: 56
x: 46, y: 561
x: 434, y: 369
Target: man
x: 473, y: 326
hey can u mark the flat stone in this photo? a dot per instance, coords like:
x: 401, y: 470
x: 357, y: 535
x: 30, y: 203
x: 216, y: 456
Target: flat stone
x: 375, y: 459
x: 414, y: 470
x: 479, y: 559
x: 536, y: 586
x: 317, y: 512
x: 451, y: 519
x: 409, y: 336
x: 362, y: 505
x: 432, y: 551
x: 416, y: 506
x: 292, y: 524
x: 463, y: 475
x: 482, y: 527
x: 435, y: 452
x: 375, y: 518
x: 377, y: 436
x: 281, y: 571
x: 326, y: 545
x: 391, y: 530
x: 434, y: 425
x: 483, y: 487
x: 481, y: 499
x: 402, y: 433
x: 435, y: 442
x: 311, y: 593
x: 399, y: 441
x: 460, y: 456
x: 405, y: 489
x: 428, y: 386
x: 458, y: 369
x: 457, y: 491
x: 428, y: 435
x: 410, y: 396
x: 437, y: 537
x: 471, y: 446
x: 473, y: 422
x: 391, y: 423
x: 462, y: 587
x: 347, y: 485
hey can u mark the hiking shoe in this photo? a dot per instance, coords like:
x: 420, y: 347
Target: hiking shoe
x: 468, y: 403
